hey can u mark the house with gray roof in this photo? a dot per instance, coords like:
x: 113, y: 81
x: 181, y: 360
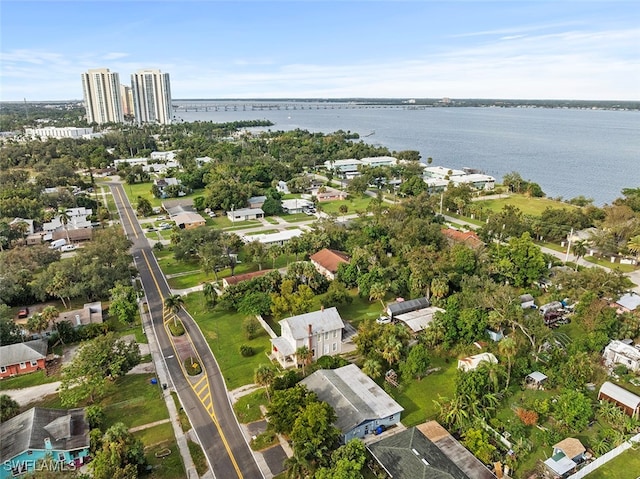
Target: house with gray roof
x: 361, y: 406
x: 22, y: 358
x: 61, y: 434
x: 427, y: 451
x: 320, y: 331
x: 406, y: 306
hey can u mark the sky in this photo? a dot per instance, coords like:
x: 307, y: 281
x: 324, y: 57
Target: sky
x: 560, y: 49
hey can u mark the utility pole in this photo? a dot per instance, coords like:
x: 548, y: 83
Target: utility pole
x: 566, y: 257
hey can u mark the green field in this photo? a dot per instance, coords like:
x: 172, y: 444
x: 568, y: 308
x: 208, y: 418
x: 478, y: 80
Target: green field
x: 529, y: 206
x: 354, y: 205
x: 157, y: 439
x: 27, y: 380
x: 223, y: 331
x: 625, y: 466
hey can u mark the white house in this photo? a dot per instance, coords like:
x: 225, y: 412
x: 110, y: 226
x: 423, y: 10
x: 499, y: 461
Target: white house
x: 245, y: 214
x: 269, y: 239
x: 130, y: 162
x: 628, y: 302
x: 163, y: 155
x: 376, y: 161
x: 320, y: 331
x: 361, y: 405
x: 472, y: 362
x: 617, y: 352
x: 77, y: 219
x: 296, y: 205
x: 344, y: 168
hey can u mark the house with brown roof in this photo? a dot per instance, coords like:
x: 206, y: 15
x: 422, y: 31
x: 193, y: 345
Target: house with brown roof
x: 22, y: 358
x: 326, y: 261
x: 226, y: 282
x: 567, y: 455
x: 468, y: 238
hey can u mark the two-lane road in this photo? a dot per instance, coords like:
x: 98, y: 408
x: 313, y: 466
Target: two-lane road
x: 206, y: 402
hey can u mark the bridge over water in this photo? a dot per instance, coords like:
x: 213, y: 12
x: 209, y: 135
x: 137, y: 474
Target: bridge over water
x: 249, y: 106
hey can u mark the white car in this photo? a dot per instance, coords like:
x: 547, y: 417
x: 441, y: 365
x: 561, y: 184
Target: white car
x: 383, y: 320
x: 68, y: 247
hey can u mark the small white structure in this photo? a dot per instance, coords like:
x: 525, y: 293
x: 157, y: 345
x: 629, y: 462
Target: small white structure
x: 348, y: 168
x: 245, y: 214
x: 130, y: 162
x: 628, y: 302
x: 527, y: 301
x: 296, y: 205
x: 419, y: 319
x: 161, y: 168
x: 617, y: 352
x: 320, y: 331
x: 269, y: 239
x: 376, y: 161
x: 472, y: 362
x: 567, y: 454
x: 163, y: 155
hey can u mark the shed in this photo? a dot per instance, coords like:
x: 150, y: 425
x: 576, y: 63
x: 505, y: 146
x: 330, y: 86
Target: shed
x: 626, y: 400
x: 402, y: 306
x: 535, y: 379
x: 527, y: 301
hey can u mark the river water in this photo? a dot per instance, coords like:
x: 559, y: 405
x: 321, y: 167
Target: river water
x: 569, y: 152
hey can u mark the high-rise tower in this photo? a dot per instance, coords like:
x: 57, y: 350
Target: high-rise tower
x: 151, y: 97
x: 101, y: 90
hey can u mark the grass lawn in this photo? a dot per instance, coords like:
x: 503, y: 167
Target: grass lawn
x: 261, y: 232
x: 247, y: 408
x: 155, y: 440
x: 416, y: 397
x: 271, y: 220
x: 27, y: 380
x: 625, y: 466
x: 296, y: 217
x: 142, y: 404
x: 529, y: 206
x: 354, y: 205
x: 223, y: 331
x: 199, y: 459
x: 359, y: 309
x: 625, y: 268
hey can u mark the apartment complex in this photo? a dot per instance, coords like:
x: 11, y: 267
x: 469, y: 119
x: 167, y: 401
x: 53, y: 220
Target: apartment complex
x: 101, y: 90
x: 148, y: 99
x: 151, y: 97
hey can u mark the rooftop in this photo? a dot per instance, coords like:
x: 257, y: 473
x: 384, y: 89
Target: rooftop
x: 329, y: 259
x: 323, y: 320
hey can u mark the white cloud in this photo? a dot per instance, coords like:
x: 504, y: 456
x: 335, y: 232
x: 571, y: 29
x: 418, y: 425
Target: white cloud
x: 114, y: 56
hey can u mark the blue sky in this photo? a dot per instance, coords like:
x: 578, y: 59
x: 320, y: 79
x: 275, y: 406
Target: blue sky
x: 564, y: 49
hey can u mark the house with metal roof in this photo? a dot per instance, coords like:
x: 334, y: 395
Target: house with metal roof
x: 361, y: 406
x: 419, y: 319
x: 628, y: 302
x: 472, y: 362
x: 619, y: 352
x: 320, y: 331
x: 326, y: 261
x: 59, y: 435
x: 402, y: 306
x: 245, y: 214
x: 427, y: 451
x: 22, y: 358
x: 626, y: 400
x: 270, y: 239
x: 567, y: 455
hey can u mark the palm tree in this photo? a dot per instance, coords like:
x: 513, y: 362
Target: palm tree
x: 439, y: 287
x: 579, y: 250
x: 50, y: 313
x: 264, y: 376
x: 172, y: 304
x: 64, y: 219
x: 372, y: 368
x: 274, y: 252
x: 377, y: 292
x: 37, y: 323
x: 634, y: 245
x: 210, y: 293
x: 392, y: 350
x: 508, y: 347
x: 304, y: 356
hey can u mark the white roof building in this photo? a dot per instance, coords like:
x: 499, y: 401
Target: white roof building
x: 419, y: 319
x: 78, y: 219
x: 617, y: 352
x: 472, y: 362
x: 268, y: 239
x: 626, y: 400
x: 629, y: 301
x: 375, y: 161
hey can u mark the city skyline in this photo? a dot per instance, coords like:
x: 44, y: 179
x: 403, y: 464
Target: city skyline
x: 573, y: 50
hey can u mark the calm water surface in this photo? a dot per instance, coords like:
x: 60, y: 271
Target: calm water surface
x: 595, y: 153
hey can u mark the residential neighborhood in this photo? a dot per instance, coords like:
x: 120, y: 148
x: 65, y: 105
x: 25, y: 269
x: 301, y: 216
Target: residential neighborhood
x: 358, y: 304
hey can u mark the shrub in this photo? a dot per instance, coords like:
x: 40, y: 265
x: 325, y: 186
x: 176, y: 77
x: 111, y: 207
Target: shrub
x: 251, y: 327
x: 176, y: 328
x: 158, y: 246
x: 246, y: 350
x: 192, y: 366
x: 528, y: 418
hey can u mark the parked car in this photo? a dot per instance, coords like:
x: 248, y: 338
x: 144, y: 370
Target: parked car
x: 69, y: 247
x: 23, y: 313
x: 383, y: 320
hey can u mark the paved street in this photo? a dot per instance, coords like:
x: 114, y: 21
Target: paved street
x: 207, y: 405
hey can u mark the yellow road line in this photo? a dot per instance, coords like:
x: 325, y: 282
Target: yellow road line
x: 126, y: 211
x: 209, y: 408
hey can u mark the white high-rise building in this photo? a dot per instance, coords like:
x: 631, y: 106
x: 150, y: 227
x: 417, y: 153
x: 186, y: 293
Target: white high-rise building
x: 102, y: 100
x: 151, y: 97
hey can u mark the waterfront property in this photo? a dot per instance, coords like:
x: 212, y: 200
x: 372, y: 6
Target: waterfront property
x: 55, y: 435
x: 362, y: 407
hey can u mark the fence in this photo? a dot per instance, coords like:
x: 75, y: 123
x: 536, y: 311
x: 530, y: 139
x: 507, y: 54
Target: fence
x: 592, y: 466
